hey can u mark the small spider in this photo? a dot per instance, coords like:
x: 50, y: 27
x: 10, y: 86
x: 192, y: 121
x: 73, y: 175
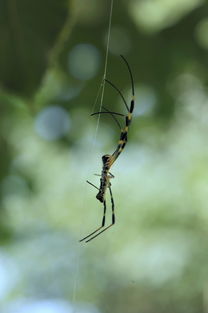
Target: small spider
x: 109, y: 159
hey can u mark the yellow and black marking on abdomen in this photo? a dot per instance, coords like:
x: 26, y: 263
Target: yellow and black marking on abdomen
x: 124, y: 133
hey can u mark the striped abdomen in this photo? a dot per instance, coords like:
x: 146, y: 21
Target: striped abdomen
x: 124, y: 133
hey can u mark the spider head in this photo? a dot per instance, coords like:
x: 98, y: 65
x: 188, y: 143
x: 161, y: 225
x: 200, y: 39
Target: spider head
x: 105, y: 158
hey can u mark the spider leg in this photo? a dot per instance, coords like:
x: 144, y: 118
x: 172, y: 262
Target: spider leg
x: 112, y: 115
x: 102, y: 225
x: 120, y: 93
x: 113, y: 219
x: 92, y: 184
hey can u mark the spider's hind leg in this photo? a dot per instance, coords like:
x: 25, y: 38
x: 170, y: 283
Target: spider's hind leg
x: 113, y: 219
x: 102, y: 225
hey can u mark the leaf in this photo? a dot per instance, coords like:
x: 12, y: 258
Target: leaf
x: 28, y: 32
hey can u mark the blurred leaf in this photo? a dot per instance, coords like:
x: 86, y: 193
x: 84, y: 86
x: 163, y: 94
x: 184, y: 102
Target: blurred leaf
x: 28, y: 31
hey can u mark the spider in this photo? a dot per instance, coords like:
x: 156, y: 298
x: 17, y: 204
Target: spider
x: 109, y: 159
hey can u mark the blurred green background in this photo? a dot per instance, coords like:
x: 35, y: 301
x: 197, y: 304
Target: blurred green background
x: 52, y: 56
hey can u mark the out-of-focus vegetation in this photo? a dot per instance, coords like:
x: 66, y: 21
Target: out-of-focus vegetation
x: 51, y: 65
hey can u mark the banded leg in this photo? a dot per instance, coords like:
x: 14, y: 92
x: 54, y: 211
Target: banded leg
x: 102, y: 225
x: 113, y: 218
x: 104, y: 212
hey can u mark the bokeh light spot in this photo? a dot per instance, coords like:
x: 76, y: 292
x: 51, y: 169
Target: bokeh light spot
x: 147, y: 100
x: 119, y: 41
x: 52, y: 123
x: 201, y: 33
x: 152, y: 16
x: 42, y: 306
x: 84, y: 61
x: 8, y: 274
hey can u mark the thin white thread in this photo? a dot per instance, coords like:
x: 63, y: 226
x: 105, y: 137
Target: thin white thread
x: 102, y: 85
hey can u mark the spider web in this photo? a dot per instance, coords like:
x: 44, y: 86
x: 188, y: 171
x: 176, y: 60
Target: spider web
x: 101, y: 90
x: 102, y: 84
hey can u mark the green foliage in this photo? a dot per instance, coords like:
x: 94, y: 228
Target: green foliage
x: 154, y: 259
x: 29, y: 31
